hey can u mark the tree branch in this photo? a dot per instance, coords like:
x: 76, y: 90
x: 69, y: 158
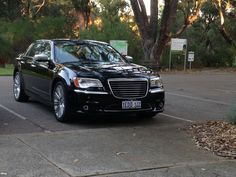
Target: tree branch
x: 140, y: 17
x: 169, y: 14
x: 154, y: 18
x: 39, y: 7
x: 191, y: 18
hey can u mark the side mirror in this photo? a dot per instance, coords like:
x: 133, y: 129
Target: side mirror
x: 41, y: 58
x: 20, y: 56
x: 129, y: 58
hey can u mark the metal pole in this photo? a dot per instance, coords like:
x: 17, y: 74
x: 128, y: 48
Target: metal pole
x: 185, y: 58
x: 190, y: 65
x: 170, y: 60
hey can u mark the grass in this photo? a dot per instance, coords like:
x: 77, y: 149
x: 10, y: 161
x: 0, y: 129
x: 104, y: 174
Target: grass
x: 7, y: 71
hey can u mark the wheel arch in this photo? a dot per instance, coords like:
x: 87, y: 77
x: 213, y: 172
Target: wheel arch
x: 15, y: 71
x: 56, y: 80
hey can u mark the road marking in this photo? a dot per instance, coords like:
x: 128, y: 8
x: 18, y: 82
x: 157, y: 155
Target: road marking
x: 227, y: 91
x: 12, y: 112
x: 199, y: 99
x: 178, y: 118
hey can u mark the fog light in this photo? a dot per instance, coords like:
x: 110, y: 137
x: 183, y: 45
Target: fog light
x: 161, y: 105
x: 85, y: 107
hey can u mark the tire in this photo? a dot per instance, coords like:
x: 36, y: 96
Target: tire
x: 60, y: 101
x: 18, y: 88
x: 147, y: 115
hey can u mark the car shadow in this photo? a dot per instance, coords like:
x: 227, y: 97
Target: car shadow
x: 110, y: 120
x: 78, y: 120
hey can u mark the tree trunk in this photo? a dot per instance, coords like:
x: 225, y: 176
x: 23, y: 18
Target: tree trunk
x: 147, y: 47
x: 154, y: 35
x: 81, y: 20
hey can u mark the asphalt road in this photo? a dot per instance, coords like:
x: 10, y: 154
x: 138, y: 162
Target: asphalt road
x: 117, y: 146
x: 189, y: 98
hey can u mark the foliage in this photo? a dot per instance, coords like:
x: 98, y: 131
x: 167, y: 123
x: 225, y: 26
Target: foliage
x: 111, y: 27
x: 10, y: 9
x: 5, y: 50
x: 115, y: 31
x: 17, y: 35
x: 23, y: 21
x: 231, y: 116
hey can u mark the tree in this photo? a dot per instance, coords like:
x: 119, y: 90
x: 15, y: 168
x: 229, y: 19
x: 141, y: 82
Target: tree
x: 154, y: 35
x: 155, y: 32
x: 111, y: 9
x: 10, y: 9
x: 31, y: 8
x: 83, y: 11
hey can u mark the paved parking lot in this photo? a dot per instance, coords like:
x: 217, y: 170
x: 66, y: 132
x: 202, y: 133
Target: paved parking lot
x: 33, y: 143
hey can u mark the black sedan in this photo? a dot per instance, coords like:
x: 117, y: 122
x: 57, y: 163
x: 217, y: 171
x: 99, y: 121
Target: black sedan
x: 88, y: 77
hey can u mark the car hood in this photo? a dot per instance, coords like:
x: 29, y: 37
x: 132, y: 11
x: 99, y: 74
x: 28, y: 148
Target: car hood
x: 105, y: 70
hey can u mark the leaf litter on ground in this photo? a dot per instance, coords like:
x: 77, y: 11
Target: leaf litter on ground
x: 216, y: 136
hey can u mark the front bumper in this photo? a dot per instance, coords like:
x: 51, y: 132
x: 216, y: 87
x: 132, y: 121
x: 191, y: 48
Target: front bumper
x: 104, y: 102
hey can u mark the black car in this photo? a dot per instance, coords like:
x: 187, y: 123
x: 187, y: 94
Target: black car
x: 88, y: 77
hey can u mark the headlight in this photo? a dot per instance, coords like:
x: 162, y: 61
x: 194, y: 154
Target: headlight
x: 156, y: 82
x: 87, y: 83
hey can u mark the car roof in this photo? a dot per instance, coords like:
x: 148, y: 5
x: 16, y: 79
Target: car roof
x: 73, y: 40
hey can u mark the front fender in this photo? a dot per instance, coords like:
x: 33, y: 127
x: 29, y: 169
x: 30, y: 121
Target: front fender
x: 66, y: 76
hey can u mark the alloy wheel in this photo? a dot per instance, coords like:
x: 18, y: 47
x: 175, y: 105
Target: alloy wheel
x: 16, y: 86
x: 59, y: 101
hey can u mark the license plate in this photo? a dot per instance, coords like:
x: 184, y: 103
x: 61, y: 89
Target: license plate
x: 131, y: 104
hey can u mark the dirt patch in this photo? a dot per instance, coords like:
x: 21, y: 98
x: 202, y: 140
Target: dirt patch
x: 216, y: 136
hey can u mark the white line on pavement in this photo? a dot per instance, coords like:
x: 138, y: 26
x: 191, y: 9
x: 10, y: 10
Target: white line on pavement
x: 178, y: 118
x: 199, y: 99
x: 227, y: 91
x: 12, y: 112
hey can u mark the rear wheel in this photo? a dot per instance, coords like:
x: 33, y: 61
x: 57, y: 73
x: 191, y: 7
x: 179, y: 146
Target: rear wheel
x: 18, y: 89
x: 60, y: 103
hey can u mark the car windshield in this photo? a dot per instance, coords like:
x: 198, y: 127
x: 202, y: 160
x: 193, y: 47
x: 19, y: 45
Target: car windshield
x: 71, y: 52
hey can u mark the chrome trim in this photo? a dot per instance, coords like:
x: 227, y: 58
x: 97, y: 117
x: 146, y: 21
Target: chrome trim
x: 128, y: 79
x: 91, y: 92
x: 156, y: 90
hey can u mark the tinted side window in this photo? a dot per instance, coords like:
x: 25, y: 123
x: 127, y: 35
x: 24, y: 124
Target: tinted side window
x: 30, y: 52
x: 39, y: 48
x: 46, y: 49
x: 34, y: 50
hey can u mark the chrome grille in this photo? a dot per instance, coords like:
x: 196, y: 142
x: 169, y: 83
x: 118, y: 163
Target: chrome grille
x: 128, y: 88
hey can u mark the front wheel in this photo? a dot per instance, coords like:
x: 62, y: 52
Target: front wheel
x: 18, y: 89
x: 60, y: 103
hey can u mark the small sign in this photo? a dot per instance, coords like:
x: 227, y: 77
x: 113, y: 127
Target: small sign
x: 120, y: 45
x: 190, y: 56
x: 178, y: 44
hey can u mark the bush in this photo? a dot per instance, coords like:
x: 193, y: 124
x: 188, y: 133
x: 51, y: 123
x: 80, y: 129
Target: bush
x: 15, y: 36
x: 116, y: 30
x: 231, y: 116
x: 52, y: 27
x: 5, y: 50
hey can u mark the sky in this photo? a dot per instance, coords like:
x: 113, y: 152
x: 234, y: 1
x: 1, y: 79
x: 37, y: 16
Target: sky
x: 147, y: 4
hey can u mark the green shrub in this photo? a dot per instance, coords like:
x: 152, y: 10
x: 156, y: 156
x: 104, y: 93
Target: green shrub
x: 231, y: 116
x: 52, y: 27
x: 116, y: 30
